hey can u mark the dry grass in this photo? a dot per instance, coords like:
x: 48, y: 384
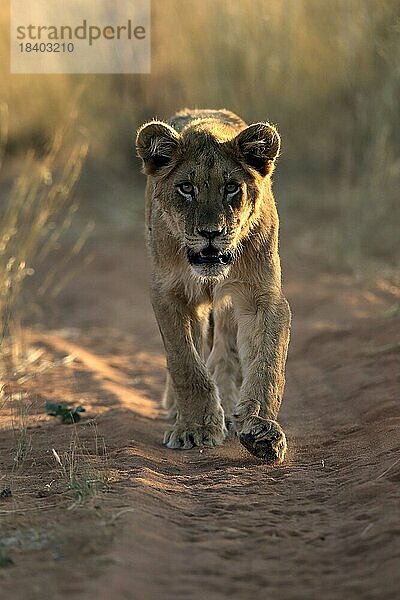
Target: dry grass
x: 82, y: 463
x: 84, y: 473
x: 18, y: 406
x: 35, y: 215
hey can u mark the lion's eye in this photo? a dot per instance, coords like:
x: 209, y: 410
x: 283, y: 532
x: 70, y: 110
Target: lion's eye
x: 232, y: 187
x: 186, y: 188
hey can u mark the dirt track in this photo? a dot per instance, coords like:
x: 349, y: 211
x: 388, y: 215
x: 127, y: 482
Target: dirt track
x: 218, y: 523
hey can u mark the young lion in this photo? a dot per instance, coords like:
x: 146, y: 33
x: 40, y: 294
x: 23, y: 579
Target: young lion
x: 212, y: 230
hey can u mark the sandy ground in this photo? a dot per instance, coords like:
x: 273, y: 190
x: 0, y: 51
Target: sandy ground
x: 212, y: 523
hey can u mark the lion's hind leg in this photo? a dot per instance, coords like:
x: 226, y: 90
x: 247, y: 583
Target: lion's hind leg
x: 223, y: 362
x: 169, y: 399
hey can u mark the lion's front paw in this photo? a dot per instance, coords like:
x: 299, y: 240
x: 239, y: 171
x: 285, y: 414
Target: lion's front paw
x: 264, y: 438
x: 187, y: 435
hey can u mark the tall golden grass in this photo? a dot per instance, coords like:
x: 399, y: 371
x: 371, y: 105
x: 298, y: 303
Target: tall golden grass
x: 326, y: 72
x: 33, y: 218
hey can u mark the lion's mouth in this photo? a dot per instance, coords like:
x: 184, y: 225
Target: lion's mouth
x: 210, y: 256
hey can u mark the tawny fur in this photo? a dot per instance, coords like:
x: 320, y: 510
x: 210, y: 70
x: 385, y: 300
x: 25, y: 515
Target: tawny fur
x: 238, y: 377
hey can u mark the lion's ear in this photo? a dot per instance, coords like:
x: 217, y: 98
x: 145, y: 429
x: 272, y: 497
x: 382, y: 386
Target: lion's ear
x: 156, y: 143
x: 258, y: 145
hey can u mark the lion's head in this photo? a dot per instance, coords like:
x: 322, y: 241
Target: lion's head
x: 208, y: 180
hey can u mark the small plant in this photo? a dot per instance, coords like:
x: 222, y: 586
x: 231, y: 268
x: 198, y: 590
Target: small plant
x: 83, y: 472
x: 20, y: 407
x: 23, y: 446
x: 66, y: 413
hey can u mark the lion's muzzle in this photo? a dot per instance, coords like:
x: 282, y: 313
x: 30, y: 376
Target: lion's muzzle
x: 210, y: 256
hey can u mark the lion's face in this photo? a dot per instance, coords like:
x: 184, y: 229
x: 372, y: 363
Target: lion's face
x: 208, y: 200
x: 207, y: 187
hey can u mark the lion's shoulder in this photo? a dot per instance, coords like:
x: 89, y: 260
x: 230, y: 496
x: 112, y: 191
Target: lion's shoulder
x: 187, y: 116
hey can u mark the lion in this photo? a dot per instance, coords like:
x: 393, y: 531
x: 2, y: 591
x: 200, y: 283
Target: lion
x: 212, y: 232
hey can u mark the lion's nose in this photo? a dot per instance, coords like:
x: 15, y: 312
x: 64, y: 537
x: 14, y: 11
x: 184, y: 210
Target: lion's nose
x: 210, y: 233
